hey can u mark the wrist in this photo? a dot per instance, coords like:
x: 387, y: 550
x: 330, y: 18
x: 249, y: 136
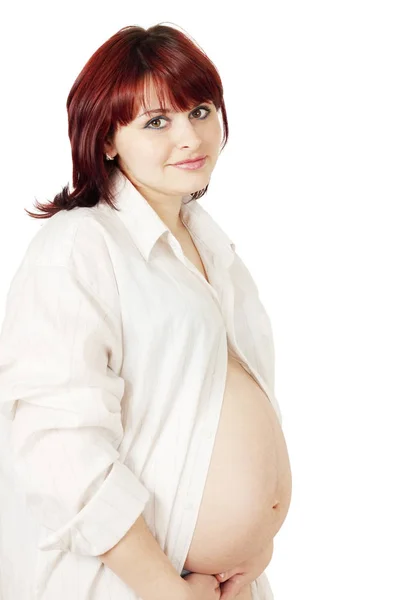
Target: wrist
x: 171, y: 590
x: 186, y: 592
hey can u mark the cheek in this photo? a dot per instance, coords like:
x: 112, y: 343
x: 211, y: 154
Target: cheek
x: 152, y: 150
x: 215, y: 134
x: 145, y: 156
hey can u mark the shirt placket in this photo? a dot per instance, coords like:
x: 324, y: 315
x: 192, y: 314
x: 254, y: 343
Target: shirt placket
x: 222, y: 291
x: 225, y: 289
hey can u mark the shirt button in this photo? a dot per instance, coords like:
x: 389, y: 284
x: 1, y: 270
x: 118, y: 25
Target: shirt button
x: 189, y: 506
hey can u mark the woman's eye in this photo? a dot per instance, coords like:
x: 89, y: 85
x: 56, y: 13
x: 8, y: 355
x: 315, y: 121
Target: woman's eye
x: 163, y: 118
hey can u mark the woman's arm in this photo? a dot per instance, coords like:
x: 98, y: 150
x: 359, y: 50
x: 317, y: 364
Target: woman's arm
x: 139, y: 561
x: 57, y: 342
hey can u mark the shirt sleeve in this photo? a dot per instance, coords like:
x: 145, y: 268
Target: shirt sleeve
x: 64, y: 401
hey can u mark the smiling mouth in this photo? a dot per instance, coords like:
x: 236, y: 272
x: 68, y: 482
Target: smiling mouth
x: 191, y: 166
x: 191, y: 160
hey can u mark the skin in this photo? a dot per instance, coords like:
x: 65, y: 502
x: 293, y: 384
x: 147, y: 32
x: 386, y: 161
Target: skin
x: 146, y: 155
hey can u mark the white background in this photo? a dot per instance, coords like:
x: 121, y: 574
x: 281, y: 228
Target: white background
x: 308, y: 188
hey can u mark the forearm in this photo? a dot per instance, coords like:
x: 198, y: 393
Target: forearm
x: 139, y: 561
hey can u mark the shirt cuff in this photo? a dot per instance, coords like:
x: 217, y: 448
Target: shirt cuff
x: 105, y: 519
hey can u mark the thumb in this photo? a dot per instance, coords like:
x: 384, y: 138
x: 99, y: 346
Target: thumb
x: 227, y: 575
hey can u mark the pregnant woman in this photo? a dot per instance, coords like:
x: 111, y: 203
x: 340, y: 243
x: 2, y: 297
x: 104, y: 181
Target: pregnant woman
x: 248, y: 487
x: 136, y: 358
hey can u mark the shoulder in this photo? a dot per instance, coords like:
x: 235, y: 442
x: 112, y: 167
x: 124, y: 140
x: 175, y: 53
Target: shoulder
x: 78, y: 240
x: 53, y: 243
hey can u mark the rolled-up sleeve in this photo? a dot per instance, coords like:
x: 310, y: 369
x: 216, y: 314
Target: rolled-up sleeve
x: 65, y: 404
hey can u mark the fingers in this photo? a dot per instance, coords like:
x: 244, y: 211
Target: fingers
x: 230, y: 589
x: 245, y: 593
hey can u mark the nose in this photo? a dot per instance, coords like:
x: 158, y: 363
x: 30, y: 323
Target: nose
x: 187, y: 136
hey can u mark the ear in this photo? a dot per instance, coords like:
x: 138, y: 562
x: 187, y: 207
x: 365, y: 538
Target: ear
x: 108, y: 148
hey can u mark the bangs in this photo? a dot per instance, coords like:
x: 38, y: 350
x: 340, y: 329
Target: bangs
x: 173, y: 93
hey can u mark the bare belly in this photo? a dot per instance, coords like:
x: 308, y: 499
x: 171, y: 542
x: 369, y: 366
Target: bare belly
x: 248, y: 487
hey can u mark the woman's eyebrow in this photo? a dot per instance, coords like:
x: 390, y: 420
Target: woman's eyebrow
x: 155, y: 110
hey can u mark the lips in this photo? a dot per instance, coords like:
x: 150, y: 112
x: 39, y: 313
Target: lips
x: 192, y: 166
x: 191, y: 160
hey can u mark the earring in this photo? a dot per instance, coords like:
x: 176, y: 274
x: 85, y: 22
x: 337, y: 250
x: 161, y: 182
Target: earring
x: 109, y: 157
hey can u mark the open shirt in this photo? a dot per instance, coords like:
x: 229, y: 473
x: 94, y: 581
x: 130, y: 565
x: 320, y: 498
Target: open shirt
x: 113, y: 360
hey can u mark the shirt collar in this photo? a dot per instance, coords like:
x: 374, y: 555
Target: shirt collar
x: 146, y: 227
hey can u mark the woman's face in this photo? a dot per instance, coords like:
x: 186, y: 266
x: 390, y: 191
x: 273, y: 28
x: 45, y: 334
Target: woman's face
x: 150, y: 144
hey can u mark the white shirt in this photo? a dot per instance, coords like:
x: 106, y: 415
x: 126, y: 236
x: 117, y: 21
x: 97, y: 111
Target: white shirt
x: 113, y: 360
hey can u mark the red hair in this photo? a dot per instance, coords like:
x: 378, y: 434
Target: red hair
x: 109, y: 92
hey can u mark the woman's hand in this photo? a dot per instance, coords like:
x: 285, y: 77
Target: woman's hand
x: 234, y: 580
x: 202, y: 587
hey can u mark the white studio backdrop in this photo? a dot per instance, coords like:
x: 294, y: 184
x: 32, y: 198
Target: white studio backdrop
x: 308, y: 187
